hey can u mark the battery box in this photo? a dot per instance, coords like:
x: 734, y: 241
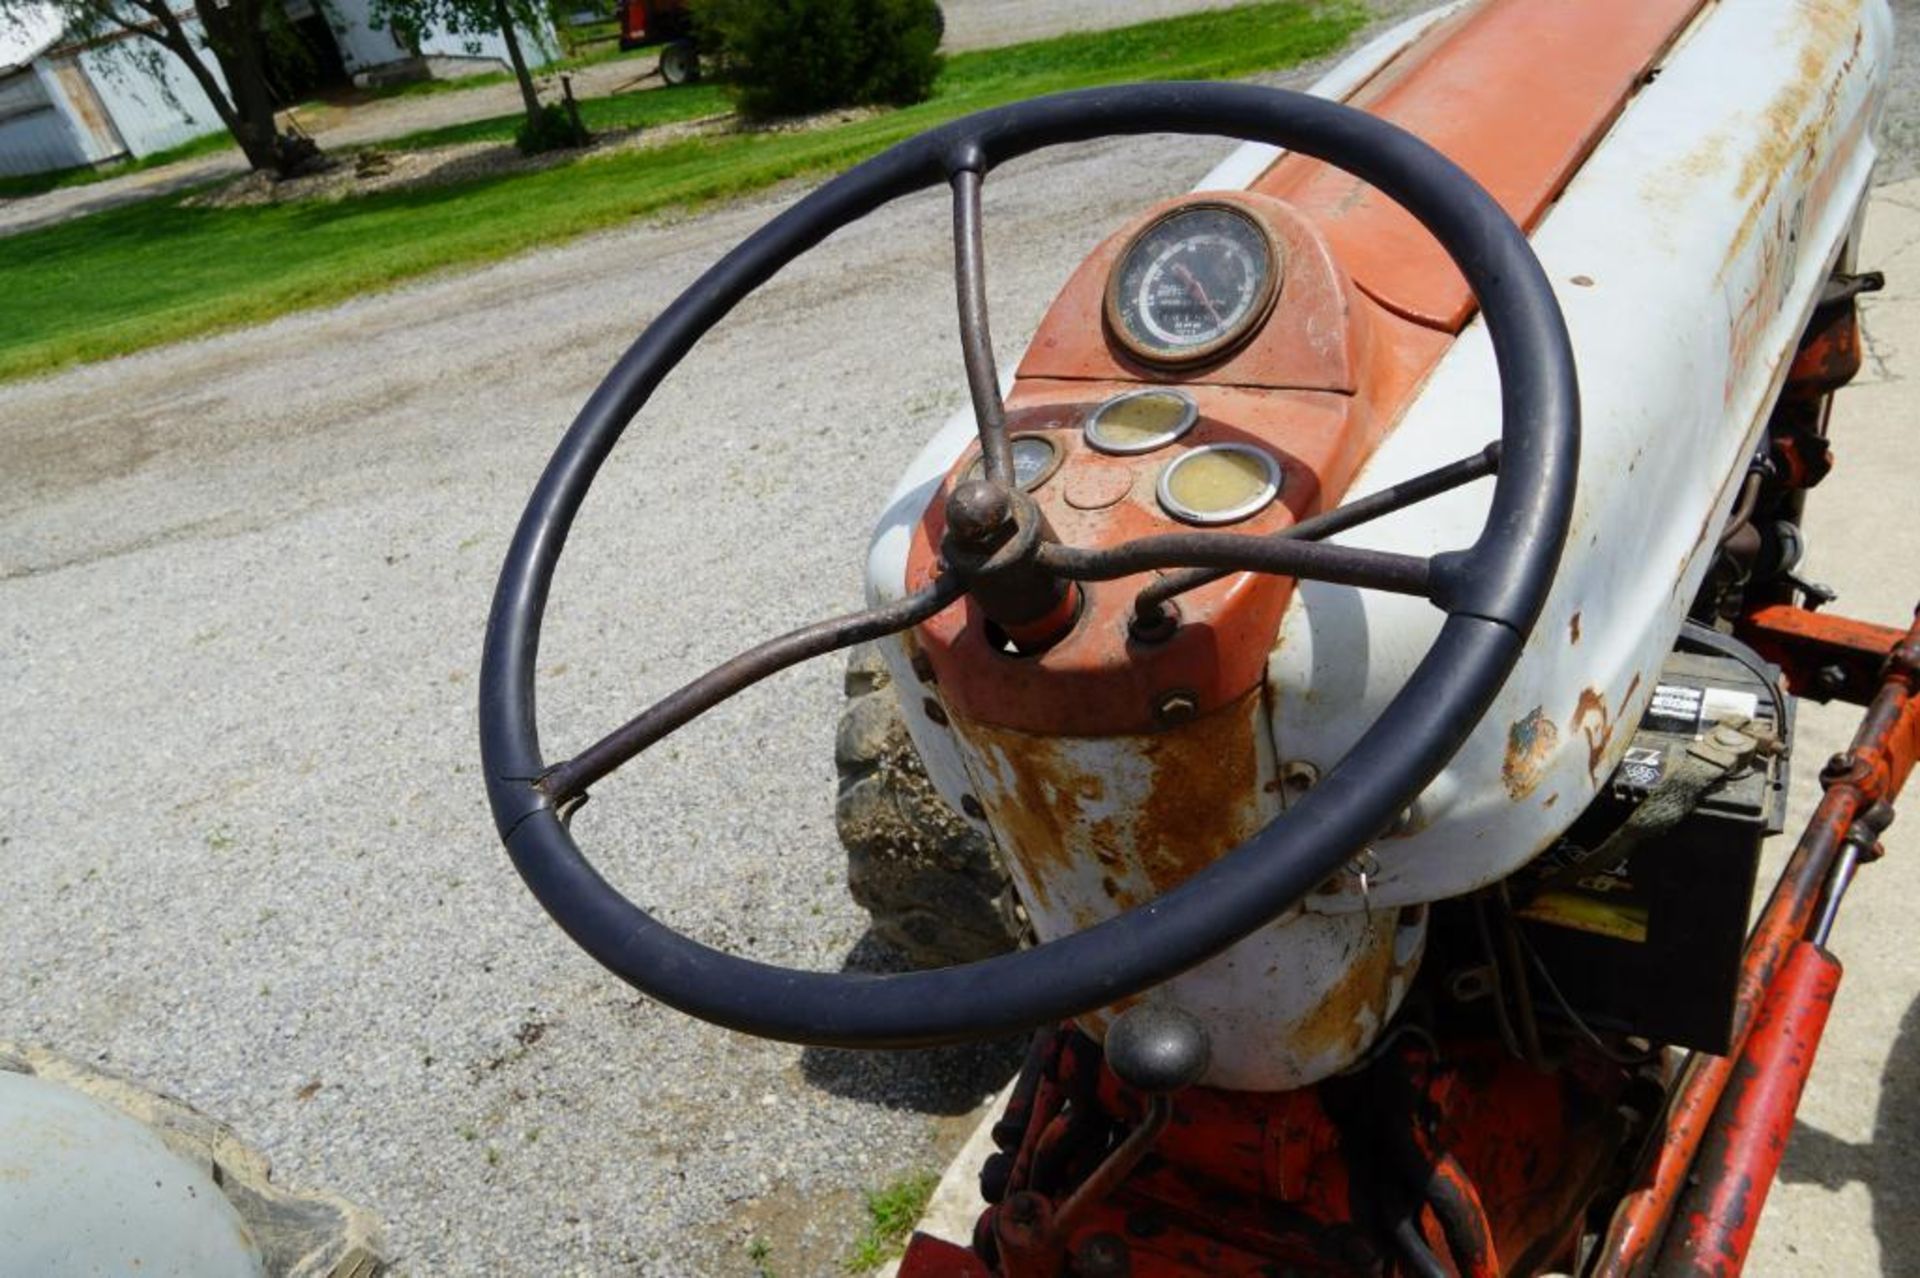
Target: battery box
x: 1651, y: 944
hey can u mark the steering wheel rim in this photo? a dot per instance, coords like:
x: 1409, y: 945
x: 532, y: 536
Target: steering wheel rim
x: 1493, y: 593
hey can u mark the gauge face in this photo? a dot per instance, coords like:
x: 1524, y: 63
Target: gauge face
x: 1192, y: 284
x: 1219, y: 484
x: 1034, y: 459
x: 1141, y: 421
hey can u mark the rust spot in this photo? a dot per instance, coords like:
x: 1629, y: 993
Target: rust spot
x: 1573, y: 629
x: 1067, y: 810
x: 1340, y: 1023
x: 1551, y: 800
x: 1200, y: 801
x: 1034, y: 804
x: 1530, y: 744
x: 1592, y: 719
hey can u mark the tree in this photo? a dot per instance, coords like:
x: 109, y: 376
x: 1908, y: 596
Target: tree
x: 799, y: 56
x: 410, y: 20
x: 234, y: 31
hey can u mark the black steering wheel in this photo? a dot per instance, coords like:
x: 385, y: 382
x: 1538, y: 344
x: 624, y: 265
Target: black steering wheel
x: 1492, y: 592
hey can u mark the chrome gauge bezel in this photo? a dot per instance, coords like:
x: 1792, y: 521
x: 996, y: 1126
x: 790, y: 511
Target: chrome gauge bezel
x: 1055, y: 455
x: 1237, y: 332
x: 1276, y: 475
x: 1091, y: 430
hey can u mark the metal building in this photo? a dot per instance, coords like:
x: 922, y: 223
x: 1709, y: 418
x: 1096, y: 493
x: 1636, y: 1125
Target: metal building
x: 64, y: 105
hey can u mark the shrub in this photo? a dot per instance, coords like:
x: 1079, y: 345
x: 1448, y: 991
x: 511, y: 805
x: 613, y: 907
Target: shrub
x: 554, y: 129
x: 790, y: 57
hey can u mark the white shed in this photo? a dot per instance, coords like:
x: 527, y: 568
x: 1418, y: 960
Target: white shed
x: 65, y: 105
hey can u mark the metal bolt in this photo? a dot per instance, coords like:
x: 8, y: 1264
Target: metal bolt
x: 1830, y: 679
x: 934, y: 711
x: 1299, y: 776
x: 1363, y: 867
x: 1842, y: 767
x: 979, y: 514
x: 1023, y: 1209
x: 1471, y: 984
x: 1157, y: 626
x: 1178, y: 706
x: 1728, y: 737
x: 922, y: 667
x: 1102, y: 1256
x: 971, y: 806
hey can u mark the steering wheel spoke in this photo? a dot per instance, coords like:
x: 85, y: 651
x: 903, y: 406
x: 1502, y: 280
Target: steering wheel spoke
x: 976, y: 338
x: 567, y: 781
x: 1149, y: 605
x: 1283, y: 556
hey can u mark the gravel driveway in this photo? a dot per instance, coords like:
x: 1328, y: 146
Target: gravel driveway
x: 242, y: 584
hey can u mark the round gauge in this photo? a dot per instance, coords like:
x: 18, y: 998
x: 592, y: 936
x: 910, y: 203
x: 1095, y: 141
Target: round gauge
x: 1035, y: 458
x: 1140, y: 421
x: 1219, y: 484
x: 1192, y: 283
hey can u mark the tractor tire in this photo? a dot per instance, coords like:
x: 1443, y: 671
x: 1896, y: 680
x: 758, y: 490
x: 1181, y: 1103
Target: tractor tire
x: 680, y: 63
x: 932, y: 883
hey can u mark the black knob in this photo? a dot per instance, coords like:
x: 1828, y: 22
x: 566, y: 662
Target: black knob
x: 1157, y: 1049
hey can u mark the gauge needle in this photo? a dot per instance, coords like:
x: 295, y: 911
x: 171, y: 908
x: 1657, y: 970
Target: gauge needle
x: 1199, y: 292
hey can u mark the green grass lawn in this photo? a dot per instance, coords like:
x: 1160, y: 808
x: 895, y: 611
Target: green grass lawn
x: 143, y: 274
x: 621, y: 111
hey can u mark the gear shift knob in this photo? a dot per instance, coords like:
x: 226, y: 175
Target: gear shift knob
x: 1157, y: 1049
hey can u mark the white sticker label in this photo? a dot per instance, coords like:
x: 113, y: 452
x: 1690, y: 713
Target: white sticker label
x: 1643, y: 767
x: 1675, y: 707
x: 1724, y: 704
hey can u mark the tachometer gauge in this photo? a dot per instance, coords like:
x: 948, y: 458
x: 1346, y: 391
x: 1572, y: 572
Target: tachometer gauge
x: 1192, y: 283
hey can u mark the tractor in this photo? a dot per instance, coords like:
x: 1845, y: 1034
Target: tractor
x: 669, y: 24
x: 1363, y: 635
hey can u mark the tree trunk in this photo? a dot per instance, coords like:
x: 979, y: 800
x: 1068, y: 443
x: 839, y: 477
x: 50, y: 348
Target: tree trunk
x: 251, y: 126
x: 520, y: 72
x: 233, y: 35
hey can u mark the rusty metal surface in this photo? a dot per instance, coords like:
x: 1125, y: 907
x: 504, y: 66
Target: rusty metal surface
x: 1872, y: 771
x: 1495, y: 1158
x: 1716, y: 1217
x: 1091, y: 826
x: 1636, y: 240
x: 930, y: 1257
x: 1823, y: 655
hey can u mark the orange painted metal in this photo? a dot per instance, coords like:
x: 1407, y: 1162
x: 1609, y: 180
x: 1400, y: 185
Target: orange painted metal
x: 1096, y: 681
x: 1821, y: 653
x: 1549, y: 78
x: 1874, y: 769
x: 930, y: 1257
x: 1743, y: 1149
x: 1312, y: 340
x: 1319, y: 385
x: 1253, y: 1183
